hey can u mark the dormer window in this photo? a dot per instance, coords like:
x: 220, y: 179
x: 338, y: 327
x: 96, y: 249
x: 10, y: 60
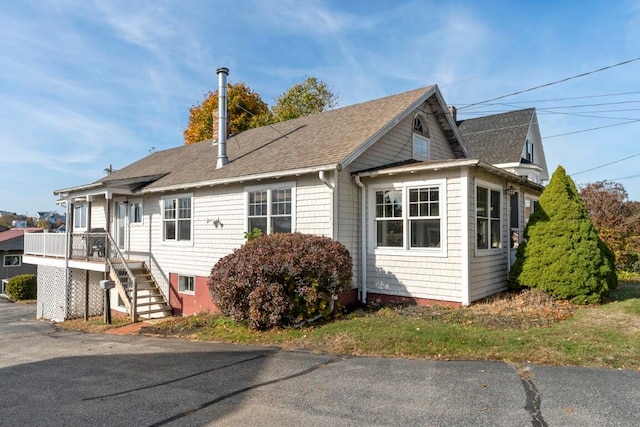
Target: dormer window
x: 529, y: 151
x: 421, y: 140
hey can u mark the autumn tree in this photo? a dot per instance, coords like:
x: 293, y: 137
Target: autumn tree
x: 244, y: 107
x: 303, y: 99
x: 615, y: 218
x: 562, y: 254
x: 44, y: 224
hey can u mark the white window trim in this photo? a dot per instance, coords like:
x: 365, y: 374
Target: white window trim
x: 177, y: 242
x: 141, y: 223
x: 187, y: 276
x: 4, y: 261
x: 406, y: 250
x: 84, y: 207
x: 495, y: 187
x: 268, y: 188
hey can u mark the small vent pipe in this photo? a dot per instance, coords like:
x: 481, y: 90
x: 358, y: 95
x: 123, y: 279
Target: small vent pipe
x: 222, y: 117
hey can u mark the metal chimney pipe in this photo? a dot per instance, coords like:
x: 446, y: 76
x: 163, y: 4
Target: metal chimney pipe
x: 222, y: 117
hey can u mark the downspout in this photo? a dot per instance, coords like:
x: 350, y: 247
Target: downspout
x: 363, y: 241
x: 331, y: 187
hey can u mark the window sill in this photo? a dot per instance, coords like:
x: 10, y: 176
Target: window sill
x: 489, y: 252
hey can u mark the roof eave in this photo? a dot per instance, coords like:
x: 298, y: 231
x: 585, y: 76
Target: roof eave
x: 241, y: 179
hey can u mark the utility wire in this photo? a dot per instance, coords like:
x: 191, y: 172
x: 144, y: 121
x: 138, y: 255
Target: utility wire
x: 563, y: 99
x: 590, y: 129
x: 553, y: 83
x: 607, y: 164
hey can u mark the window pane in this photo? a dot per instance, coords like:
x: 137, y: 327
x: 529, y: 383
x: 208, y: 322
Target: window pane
x: 495, y: 204
x: 425, y: 233
x: 281, y: 224
x: 389, y: 204
x: 482, y: 201
x: 389, y: 233
x: 495, y: 234
x: 185, y: 208
x: 184, y: 230
x: 435, y: 209
x: 483, y: 233
x: 257, y: 203
x: 281, y: 202
x: 259, y: 223
x: 169, y: 209
x: 515, y: 214
x: 169, y: 230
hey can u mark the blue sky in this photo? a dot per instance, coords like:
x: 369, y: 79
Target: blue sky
x: 85, y: 84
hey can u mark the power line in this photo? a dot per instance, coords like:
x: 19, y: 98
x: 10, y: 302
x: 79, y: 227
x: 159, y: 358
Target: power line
x: 562, y: 99
x: 607, y: 164
x: 553, y: 83
x: 590, y: 129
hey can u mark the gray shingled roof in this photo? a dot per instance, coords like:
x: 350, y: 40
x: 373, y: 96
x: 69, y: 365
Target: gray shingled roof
x: 318, y: 141
x: 498, y: 138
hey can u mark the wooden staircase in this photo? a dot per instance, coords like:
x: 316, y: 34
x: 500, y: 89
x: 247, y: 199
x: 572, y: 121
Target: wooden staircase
x: 150, y: 302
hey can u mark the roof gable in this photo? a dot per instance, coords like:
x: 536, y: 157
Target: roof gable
x: 499, y: 138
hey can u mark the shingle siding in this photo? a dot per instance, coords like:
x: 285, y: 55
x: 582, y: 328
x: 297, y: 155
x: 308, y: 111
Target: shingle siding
x: 397, y: 144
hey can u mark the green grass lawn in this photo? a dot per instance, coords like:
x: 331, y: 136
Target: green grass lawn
x: 522, y: 328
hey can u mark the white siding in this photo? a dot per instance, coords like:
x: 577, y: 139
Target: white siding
x: 349, y: 230
x: 225, y: 204
x: 423, y: 276
x: 397, y: 144
x: 489, y: 269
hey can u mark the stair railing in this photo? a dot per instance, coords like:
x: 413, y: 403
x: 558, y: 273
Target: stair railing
x: 117, y: 265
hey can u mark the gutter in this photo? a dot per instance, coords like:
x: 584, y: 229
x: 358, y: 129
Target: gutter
x: 242, y: 178
x: 363, y: 240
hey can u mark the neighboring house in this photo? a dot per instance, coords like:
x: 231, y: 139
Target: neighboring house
x: 510, y: 141
x: 55, y: 219
x: 392, y: 179
x: 11, y: 253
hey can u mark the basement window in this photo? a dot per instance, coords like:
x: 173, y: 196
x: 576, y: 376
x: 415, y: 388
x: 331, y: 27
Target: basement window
x: 186, y: 284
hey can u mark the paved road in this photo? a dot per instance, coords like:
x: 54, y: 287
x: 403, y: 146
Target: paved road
x: 54, y: 377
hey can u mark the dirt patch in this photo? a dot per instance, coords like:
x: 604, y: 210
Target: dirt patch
x: 507, y: 310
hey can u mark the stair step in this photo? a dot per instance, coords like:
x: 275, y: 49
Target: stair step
x: 157, y: 310
x: 147, y: 304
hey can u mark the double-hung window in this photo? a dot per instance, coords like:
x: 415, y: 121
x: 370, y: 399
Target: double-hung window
x: 488, y: 203
x: 176, y: 218
x: 409, y: 217
x: 80, y: 215
x: 270, y: 209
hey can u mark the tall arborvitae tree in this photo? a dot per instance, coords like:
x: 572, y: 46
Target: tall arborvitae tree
x: 563, y: 254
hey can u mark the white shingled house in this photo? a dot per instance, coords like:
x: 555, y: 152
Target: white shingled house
x: 426, y: 216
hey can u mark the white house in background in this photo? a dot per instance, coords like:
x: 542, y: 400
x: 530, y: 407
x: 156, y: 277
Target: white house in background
x: 392, y: 179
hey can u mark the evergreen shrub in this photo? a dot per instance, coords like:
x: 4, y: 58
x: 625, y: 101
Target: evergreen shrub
x: 22, y: 287
x: 562, y: 254
x: 281, y: 279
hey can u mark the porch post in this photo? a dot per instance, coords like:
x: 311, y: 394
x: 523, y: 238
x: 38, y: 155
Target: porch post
x: 86, y: 295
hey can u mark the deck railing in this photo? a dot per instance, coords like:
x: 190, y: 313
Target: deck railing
x: 83, y: 246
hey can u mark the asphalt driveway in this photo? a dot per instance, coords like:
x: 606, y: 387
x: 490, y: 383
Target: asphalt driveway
x: 54, y: 377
